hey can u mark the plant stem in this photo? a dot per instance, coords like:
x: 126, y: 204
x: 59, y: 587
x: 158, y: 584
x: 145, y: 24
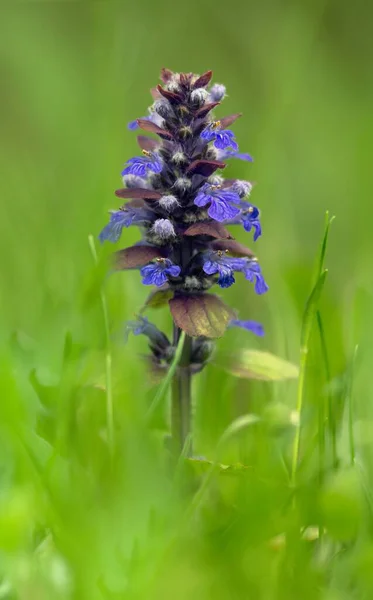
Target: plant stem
x: 181, y: 402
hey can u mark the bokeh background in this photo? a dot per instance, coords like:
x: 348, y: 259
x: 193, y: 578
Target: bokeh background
x: 75, y: 522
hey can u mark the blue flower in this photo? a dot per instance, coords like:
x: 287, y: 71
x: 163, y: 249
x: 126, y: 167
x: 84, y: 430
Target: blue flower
x: 142, y: 327
x: 250, y: 219
x: 133, y: 125
x: 219, y: 262
x: 252, y: 326
x: 137, y: 327
x: 140, y: 165
x: 156, y: 273
x: 232, y: 154
x: 253, y: 273
x: 223, y: 138
x: 123, y: 217
x: 221, y: 202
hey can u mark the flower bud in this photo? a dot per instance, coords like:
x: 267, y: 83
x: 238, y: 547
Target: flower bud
x: 179, y: 158
x: 199, y: 96
x: 162, y: 107
x: 242, y: 188
x: 216, y: 180
x: 163, y: 229
x: 133, y: 181
x: 183, y: 184
x: 202, y: 350
x: 185, y: 132
x: 217, y: 92
x: 193, y: 283
x: 169, y: 202
x: 173, y: 86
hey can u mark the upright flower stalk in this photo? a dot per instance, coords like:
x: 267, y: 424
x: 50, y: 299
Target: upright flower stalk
x: 182, y: 207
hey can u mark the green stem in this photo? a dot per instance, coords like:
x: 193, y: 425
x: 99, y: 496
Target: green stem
x: 181, y: 403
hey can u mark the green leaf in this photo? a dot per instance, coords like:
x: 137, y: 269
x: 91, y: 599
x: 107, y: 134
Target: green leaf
x: 157, y: 299
x: 256, y: 364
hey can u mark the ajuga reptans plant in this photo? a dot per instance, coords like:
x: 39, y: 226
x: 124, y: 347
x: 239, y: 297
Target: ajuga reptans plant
x: 182, y: 207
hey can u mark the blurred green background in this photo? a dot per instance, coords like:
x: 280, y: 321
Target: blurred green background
x: 76, y: 522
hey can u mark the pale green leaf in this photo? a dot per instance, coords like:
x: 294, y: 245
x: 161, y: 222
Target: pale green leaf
x: 256, y: 364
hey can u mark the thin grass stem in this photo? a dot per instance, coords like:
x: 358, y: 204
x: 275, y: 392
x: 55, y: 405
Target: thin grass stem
x: 167, y: 380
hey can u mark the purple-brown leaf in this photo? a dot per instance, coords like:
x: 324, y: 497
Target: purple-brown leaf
x: 212, y: 229
x: 203, y: 80
x: 205, y: 167
x: 135, y: 257
x: 185, y: 78
x: 172, y: 97
x: 226, y: 121
x: 202, y: 112
x: 166, y: 75
x: 146, y: 143
x: 153, y: 128
x: 234, y: 248
x: 138, y: 193
x: 202, y: 314
x: 137, y: 203
x: 155, y: 93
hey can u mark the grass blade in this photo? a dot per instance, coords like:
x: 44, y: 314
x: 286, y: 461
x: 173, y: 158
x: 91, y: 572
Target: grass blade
x: 309, y: 314
x: 167, y: 380
x: 328, y: 222
x: 328, y: 414
x: 307, y: 322
x: 325, y: 412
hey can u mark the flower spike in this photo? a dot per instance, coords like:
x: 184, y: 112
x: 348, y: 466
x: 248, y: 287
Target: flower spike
x: 175, y: 192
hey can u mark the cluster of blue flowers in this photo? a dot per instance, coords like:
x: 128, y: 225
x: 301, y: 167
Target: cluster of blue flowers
x: 178, y: 200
